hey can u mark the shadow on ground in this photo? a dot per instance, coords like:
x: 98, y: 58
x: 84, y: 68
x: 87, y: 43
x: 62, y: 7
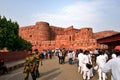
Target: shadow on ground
x: 51, y: 74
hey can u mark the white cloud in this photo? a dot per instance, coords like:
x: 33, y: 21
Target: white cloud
x: 80, y: 11
x: 78, y: 14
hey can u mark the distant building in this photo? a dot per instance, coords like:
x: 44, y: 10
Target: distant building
x: 111, y: 41
x: 44, y: 36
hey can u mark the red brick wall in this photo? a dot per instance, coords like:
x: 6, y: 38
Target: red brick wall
x: 13, y: 56
x: 44, y: 36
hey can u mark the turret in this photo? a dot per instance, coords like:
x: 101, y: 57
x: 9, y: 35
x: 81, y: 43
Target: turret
x: 42, y: 31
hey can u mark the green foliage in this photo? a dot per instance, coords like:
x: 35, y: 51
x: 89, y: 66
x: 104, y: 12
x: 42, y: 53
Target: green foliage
x: 9, y: 36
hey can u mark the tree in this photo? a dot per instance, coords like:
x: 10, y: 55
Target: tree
x: 9, y: 36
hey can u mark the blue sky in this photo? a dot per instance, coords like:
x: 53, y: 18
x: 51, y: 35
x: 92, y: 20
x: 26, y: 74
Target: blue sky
x: 99, y: 14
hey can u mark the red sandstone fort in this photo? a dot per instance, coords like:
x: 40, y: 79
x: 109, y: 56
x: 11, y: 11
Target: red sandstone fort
x: 44, y: 36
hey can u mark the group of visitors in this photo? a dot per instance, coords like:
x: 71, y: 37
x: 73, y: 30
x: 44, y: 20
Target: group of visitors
x: 61, y: 53
x: 47, y: 54
x: 102, y: 65
x: 86, y: 65
x: 113, y: 65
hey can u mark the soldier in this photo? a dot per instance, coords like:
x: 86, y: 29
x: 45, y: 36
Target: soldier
x: 63, y: 54
x: 29, y: 66
x: 38, y: 58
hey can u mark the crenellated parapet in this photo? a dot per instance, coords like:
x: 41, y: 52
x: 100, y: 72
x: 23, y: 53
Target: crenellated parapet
x: 84, y: 33
x: 44, y: 36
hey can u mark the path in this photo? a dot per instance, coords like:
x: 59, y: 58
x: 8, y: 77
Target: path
x: 51, y: 70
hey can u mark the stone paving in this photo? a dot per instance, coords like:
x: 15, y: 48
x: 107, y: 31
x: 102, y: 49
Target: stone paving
x: 52, y: 70
x: 14, y: 65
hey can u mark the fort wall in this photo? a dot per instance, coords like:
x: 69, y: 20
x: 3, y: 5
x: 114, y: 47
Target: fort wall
x: 44, y: 36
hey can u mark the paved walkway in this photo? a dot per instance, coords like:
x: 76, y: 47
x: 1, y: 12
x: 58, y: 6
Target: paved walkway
x: 51, y: 70
x: 14, y: 65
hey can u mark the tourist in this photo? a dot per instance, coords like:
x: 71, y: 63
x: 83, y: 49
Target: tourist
x: 44, y: 53
x: 105, y: 54
x: 91, y: 52
x: 59, y: 52
x: 49, y: 54
x: 90, y: 57
x: 77, y: 52
x: 113, y: 65
x: 70, y: 56
x: 100, y: 61
x: 96, y: 53
x: 73, y: 53
x: 86, y: 70
x: 80, y: 59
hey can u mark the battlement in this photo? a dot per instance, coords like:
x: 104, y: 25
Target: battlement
x: 41, y: 34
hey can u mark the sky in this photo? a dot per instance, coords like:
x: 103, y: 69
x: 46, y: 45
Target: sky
x: 100, y: 15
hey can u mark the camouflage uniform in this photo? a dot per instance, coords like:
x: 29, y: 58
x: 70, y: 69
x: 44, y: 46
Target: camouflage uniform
x: 63, y: 55
x: 38, y: 59
x: 29, y: 67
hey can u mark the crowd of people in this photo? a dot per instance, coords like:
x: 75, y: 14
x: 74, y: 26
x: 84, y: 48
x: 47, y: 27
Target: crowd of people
x: 102, y: 63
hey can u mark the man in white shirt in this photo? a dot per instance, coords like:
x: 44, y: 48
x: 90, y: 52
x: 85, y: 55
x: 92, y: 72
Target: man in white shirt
x: 73, y: 53
x: 96, y: 52
x: 86, y: 60
x: 101, y: 60
x: 60, y: 57
x: 70, y: 57
x: 80, y: 59
x: 113, y: 65
x: 105, y: 54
